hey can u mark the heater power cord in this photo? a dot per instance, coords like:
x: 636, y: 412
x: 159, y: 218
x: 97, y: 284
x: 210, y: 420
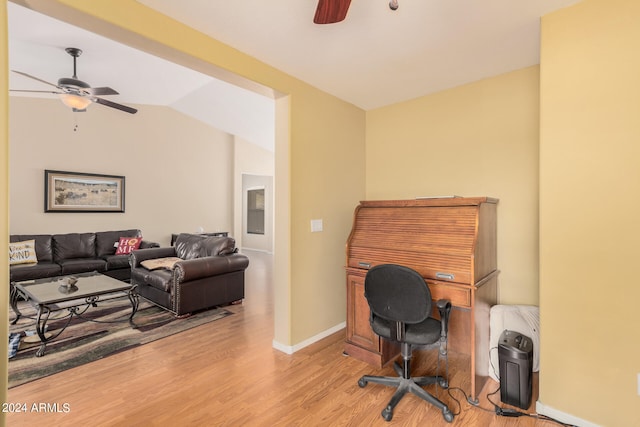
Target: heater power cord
x: 501, y: 412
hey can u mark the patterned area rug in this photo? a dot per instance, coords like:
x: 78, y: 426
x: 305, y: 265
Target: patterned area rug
x: 107, y: 332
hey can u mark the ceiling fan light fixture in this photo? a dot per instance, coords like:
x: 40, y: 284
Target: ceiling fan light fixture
x: 74, y: 101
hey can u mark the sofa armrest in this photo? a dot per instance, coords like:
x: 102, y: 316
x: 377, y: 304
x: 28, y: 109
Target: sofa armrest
x: 146, y: 244
x: 192, y: 269
x: 139, y: 255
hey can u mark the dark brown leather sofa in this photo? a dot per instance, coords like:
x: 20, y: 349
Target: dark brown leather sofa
x: 209, y: 272
x: 71, y: 253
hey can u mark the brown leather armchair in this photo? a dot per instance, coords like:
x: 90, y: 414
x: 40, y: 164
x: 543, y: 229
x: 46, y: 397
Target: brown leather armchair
x: 196, y: 273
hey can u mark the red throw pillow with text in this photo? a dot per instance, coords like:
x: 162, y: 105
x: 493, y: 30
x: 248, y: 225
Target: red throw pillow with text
x: 128, y: 244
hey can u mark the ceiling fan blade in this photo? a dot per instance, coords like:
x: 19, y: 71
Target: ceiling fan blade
x: 36, y: 91
x: 102, y: 91
x: 331, y: 11
x: 115, y: 105
x: 35, y: 78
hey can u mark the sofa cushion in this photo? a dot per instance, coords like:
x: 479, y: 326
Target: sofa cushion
x: 23, y: 252
x: 73, y: 245
x: 18, y: 273
x: 117, y: 261
x: 191, y: 246
x: 106, y: 240
x: 159, y: 279
x: 81, y: 265
x: 188, y: 246
x: 128, y: 244
x: 43, y: 244
x: 217, y: 245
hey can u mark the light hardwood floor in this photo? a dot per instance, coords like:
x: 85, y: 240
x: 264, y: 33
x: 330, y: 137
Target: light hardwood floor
x: 227, y: 374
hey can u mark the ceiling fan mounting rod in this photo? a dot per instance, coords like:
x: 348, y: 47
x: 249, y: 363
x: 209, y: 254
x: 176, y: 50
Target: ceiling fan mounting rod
x: 75, y: 52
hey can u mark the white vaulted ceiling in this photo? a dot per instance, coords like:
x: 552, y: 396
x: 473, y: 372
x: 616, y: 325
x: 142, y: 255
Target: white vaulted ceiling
x: 373, y: 58
x: 36, y: 47
x: 377, y: 56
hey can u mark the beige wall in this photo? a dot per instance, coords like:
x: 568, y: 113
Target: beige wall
x: 589, y: 210
x: 479, y: 139
x: 179, y: 171
x: 251, y: 160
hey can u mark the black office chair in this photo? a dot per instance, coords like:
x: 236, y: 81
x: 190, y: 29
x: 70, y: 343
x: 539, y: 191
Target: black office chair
x: 400, y: 303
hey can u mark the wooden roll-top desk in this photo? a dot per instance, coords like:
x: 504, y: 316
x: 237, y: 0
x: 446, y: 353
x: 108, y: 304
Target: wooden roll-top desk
x: 451, y: 242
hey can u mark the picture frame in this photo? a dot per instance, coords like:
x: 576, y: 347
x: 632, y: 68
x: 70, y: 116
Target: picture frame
x: 83, y: 192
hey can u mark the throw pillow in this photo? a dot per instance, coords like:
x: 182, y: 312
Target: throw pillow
x: 128, y: 244
x: 14, y: 343
x: 165, y: 263
x: 22, y: 252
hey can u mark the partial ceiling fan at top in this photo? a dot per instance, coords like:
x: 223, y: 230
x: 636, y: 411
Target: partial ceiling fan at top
x: 75, y: 93
x: 332, y: 11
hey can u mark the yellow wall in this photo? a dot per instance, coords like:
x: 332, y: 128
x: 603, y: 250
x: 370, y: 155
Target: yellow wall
x: 327, y: 182
x: 4, y: 204
x: 479, y: 139
x: 589, y: 210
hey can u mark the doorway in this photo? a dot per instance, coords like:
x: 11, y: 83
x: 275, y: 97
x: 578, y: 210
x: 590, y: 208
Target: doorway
x: 257, y: 212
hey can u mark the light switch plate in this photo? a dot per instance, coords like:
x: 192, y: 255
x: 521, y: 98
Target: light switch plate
x: 316, y: 225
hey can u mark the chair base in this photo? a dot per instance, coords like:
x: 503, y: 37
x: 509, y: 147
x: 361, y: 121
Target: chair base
x: 408, y: 385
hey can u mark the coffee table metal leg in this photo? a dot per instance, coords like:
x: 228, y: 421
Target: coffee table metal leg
x: 41, y: 327
x: 135, y: 302
x: 13, y: 300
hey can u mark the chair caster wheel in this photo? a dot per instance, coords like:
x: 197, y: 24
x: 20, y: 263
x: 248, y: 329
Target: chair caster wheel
x: 443, y: 383
x: 387, y: 414
x: 362, y: 382
x: 448, y: 416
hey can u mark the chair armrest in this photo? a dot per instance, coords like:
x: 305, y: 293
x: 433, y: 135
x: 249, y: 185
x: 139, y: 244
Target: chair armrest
x: 139, y: 255
x: 192, y: 269
x: 444, y: 308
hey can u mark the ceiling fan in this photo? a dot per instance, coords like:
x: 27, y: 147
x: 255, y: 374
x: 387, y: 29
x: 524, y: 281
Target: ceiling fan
x: 332, y: 11
x: 75, y: 93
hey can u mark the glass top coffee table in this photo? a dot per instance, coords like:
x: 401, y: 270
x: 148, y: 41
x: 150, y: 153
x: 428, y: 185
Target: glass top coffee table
x: 74, y: 293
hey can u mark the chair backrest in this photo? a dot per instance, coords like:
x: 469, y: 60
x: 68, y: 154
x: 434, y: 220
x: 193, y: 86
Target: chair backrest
x: 191, y: 246
x: 397, y: 293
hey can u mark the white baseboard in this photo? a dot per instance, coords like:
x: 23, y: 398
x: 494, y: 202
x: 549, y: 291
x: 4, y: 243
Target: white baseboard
x: 292, y: 349
x: 264, y: 251
x: 550, y: 412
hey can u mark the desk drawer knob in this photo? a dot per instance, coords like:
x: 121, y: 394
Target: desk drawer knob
x: 447, y: 276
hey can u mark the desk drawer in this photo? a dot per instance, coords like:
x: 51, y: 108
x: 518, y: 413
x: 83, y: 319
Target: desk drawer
x: 459, y: 297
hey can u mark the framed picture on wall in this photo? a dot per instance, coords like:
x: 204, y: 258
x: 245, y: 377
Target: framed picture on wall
x: 82, y: 192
